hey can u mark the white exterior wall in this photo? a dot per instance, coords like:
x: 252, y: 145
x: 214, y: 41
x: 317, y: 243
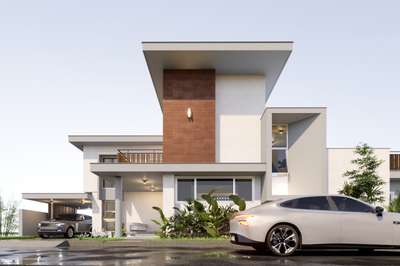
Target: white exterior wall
x: 239, y: 101
x: 307, y: 156
x: 168, y: 194
x: 138, y: 208
x: 395, y: 174
x: 339, y: 161
x: 28, y: 221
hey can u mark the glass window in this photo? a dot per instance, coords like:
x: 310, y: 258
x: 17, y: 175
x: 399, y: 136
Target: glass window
x: 108, y: 182
x: 279, y: 136
x: 279, y: 164
x: 222, y: 188
x: 349, y: 205
x: 109, y: 215
x: 185, y: 189
x: 308, y: 203
x: 108, y: 159
x: 244, y: 188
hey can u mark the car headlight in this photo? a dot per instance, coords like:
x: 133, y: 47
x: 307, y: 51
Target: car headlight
x: 244, y: 219
x: 39, y: 224
x: 60, y: 225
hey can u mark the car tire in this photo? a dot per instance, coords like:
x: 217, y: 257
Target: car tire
x: 69, y: 233
x: 283, y: 240
x: 43, y: 236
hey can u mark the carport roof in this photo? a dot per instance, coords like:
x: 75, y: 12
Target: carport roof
x: 75, y: 200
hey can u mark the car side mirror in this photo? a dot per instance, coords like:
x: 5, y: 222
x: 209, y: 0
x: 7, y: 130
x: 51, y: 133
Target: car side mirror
x: 378, y: 210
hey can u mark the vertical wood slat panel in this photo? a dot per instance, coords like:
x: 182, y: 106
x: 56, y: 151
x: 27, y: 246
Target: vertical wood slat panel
x: 394, y: 161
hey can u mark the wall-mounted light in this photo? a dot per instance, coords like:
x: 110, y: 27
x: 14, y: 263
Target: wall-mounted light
x: 144, y: 180
x: 189, y: 114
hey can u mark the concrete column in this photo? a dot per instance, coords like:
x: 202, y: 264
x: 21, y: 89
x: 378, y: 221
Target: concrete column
x: 266, y: 191
x: 168, y: 194
x: 118, y: 206
x: 51, y: 209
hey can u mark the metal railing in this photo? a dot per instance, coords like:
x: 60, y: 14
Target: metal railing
x: 140, y: 156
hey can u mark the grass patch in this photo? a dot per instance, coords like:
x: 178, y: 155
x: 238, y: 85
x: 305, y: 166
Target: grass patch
x: 17, y: 237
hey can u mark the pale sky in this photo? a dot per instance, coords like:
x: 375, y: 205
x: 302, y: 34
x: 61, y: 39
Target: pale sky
x: 77, y: 67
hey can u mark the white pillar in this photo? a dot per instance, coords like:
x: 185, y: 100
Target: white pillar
x: 266, y: 192
x: 118, y: 206
x: 168, y: 194
x: 97, y: 213
x: 51, y: 209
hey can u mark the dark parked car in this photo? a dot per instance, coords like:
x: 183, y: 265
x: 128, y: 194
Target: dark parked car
x: 67, y: 225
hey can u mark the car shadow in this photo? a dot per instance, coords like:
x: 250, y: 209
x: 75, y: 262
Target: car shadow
x: 325, y: 253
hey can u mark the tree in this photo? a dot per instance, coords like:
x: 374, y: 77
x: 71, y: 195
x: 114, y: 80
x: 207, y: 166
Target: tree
x: 363, y: 181
x: 1, y: 215
x: 10, y: 219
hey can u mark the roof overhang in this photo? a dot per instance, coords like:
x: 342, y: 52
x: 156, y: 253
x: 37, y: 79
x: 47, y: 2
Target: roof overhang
x: 75, y: 200
x: 80, y: 140
x: 187, y: 168
x: 236, y: 58
x: 288, y: 115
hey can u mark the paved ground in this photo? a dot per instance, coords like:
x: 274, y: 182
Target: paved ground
x: 219, y: 254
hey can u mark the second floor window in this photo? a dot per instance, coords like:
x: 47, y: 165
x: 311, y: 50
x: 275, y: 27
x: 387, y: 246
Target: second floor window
x: 279, y: 148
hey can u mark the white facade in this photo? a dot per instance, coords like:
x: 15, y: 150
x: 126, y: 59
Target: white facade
x: 240, y: 101
x: 138, y: 208
x: 339, y: 161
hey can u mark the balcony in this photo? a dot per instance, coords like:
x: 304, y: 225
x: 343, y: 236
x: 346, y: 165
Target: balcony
x: 140, y: 156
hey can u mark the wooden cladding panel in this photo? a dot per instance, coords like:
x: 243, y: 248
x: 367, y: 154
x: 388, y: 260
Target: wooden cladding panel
x: 394, y: 161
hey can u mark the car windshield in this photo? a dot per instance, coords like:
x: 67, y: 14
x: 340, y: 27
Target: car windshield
x: 68, y: 217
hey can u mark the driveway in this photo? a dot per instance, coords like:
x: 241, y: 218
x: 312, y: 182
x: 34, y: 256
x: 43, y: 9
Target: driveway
x: 145, y: 254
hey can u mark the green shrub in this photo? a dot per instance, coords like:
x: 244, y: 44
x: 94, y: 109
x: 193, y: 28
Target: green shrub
x: 197, y: 220
x: 394, y: 205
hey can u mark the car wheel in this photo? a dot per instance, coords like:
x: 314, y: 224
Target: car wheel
x: 69, y: 233
x: 283, y: 240
x: 43, y: 236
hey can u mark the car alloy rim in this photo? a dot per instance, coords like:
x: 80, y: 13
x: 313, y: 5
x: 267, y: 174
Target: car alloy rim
x: 70, y: 232
x: 283, y: 240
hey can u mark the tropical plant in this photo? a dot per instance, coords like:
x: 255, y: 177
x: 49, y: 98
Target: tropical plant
x: 196, y: 219
x: 363, y: 182
x: 394, y: 205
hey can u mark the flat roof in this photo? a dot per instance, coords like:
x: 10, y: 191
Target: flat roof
x: 80, y: 140
x: 76, y: 200
x: 236, y: 58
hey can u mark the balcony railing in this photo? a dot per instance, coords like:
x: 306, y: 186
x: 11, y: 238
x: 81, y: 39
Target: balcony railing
x: 140, y: 156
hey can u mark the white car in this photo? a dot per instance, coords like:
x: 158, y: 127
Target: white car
x: 286, y: 225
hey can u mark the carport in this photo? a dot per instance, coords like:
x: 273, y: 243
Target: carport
x: 58, y: 203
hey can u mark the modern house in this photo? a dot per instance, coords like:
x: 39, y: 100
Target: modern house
x: 218, y: 134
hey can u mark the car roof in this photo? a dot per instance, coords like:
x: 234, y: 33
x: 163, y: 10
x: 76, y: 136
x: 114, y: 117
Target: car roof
x: 289, y: 197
